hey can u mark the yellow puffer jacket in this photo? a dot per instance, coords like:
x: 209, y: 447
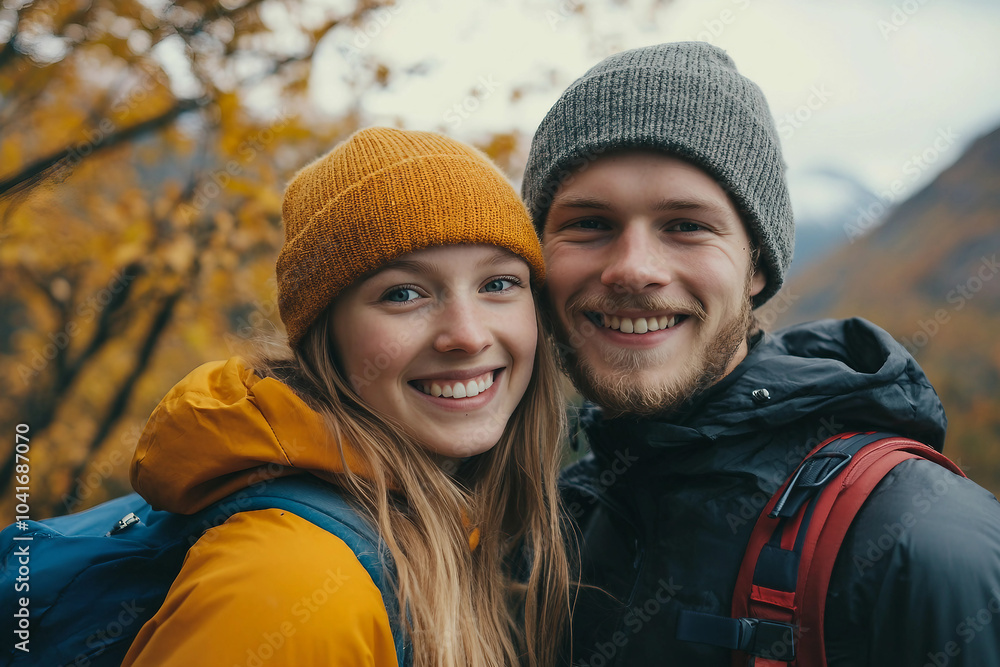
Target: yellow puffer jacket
x: 266, y: 587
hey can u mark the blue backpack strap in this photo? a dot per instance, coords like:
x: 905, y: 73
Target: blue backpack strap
x: 86, y: 592
x: 322, y: 504
x: 97, y: 576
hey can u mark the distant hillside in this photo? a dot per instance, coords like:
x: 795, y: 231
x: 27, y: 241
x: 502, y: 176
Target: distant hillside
x: 929, y: 274
x: 812, y: 243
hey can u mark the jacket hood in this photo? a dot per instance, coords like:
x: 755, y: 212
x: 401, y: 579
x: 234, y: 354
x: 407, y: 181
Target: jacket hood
x: 850, y: 370
x: 221, y: 429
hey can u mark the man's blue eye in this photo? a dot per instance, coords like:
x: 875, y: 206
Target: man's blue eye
x: 589, y: 223
x: 688, y: 226
x: 401, y: 295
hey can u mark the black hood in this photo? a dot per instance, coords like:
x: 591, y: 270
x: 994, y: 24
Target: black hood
x: 849, y: 369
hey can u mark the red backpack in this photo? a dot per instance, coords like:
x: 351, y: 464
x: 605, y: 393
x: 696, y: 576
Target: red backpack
x: 780, y: 595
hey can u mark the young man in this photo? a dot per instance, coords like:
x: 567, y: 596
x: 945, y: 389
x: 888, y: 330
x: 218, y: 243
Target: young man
x: 657, y: 184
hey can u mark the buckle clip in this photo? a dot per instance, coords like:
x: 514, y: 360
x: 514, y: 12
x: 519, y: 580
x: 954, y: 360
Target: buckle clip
x: 812, y: 474
x: 767, y: 639
x: 126, y: 521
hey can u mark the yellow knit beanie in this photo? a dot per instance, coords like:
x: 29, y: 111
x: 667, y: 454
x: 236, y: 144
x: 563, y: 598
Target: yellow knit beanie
x: 383, y: 193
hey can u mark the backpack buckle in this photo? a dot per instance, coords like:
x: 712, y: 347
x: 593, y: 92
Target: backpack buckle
x: 813, y: 474
x: 126, y: 521
x: 767, y: 639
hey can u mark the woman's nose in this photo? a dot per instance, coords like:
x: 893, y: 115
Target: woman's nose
x: 462, y: 326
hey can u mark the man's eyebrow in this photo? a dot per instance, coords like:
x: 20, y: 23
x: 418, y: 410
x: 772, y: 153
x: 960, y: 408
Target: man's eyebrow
x: 688, y: 205
x: 575, y: 201
x: 663, y: 205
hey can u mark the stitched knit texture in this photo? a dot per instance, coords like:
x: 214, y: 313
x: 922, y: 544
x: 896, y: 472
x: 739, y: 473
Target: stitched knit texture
x: 383, y: 193
x: 685, y: 99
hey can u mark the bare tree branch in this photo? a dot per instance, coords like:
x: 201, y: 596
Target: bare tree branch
x: 44, y: 402
x: 43, y: 167
x: 121, y: 398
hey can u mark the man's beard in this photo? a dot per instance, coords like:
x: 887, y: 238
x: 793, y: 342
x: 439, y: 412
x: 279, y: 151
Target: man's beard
x: 619, y: 391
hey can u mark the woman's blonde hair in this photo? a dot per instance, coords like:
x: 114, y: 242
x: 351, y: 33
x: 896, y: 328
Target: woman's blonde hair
x: 504, y: 602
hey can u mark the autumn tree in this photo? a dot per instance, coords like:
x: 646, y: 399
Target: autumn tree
x: 144, y: 149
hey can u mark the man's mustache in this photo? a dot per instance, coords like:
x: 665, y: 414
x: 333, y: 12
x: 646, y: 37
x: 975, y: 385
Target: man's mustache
x: 610, y: 303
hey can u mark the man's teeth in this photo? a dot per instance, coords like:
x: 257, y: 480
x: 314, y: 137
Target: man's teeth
x: 639, y: 325
x: 457, y: 388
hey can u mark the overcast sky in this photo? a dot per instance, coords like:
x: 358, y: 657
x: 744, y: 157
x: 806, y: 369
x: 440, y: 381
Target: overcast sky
x: 860, y: 87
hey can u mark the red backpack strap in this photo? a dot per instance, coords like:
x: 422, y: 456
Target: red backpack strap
x: 780, y: 594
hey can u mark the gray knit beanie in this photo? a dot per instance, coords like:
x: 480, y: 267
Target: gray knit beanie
x: 686, y: 99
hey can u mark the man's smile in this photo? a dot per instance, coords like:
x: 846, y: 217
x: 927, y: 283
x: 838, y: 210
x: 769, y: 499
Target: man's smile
x: 637, y: 325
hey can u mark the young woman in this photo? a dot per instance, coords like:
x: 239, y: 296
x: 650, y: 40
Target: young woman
x: 419, y: 384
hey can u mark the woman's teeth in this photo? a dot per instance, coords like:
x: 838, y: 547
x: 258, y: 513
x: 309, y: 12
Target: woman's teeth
x: 457, y: 388
x: 639, y: 325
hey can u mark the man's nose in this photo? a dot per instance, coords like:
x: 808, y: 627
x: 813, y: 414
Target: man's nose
x: 636, y: 263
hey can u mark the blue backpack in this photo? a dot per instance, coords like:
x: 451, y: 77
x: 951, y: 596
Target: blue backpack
x: 78, y: 588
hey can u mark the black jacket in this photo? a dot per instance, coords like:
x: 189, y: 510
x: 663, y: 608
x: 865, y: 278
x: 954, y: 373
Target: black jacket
x: 665, y: 510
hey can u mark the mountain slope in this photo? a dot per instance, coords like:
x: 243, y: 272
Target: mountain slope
x: 930, y: 275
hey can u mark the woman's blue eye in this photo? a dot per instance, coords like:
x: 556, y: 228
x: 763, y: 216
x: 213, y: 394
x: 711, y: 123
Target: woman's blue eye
x: 401, y: 295
x: 498, y: 285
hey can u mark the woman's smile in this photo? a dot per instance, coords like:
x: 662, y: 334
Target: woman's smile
x: 442, y: 340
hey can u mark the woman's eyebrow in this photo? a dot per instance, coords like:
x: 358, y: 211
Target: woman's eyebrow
x: 413, y: 265
x: 499, y: 256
